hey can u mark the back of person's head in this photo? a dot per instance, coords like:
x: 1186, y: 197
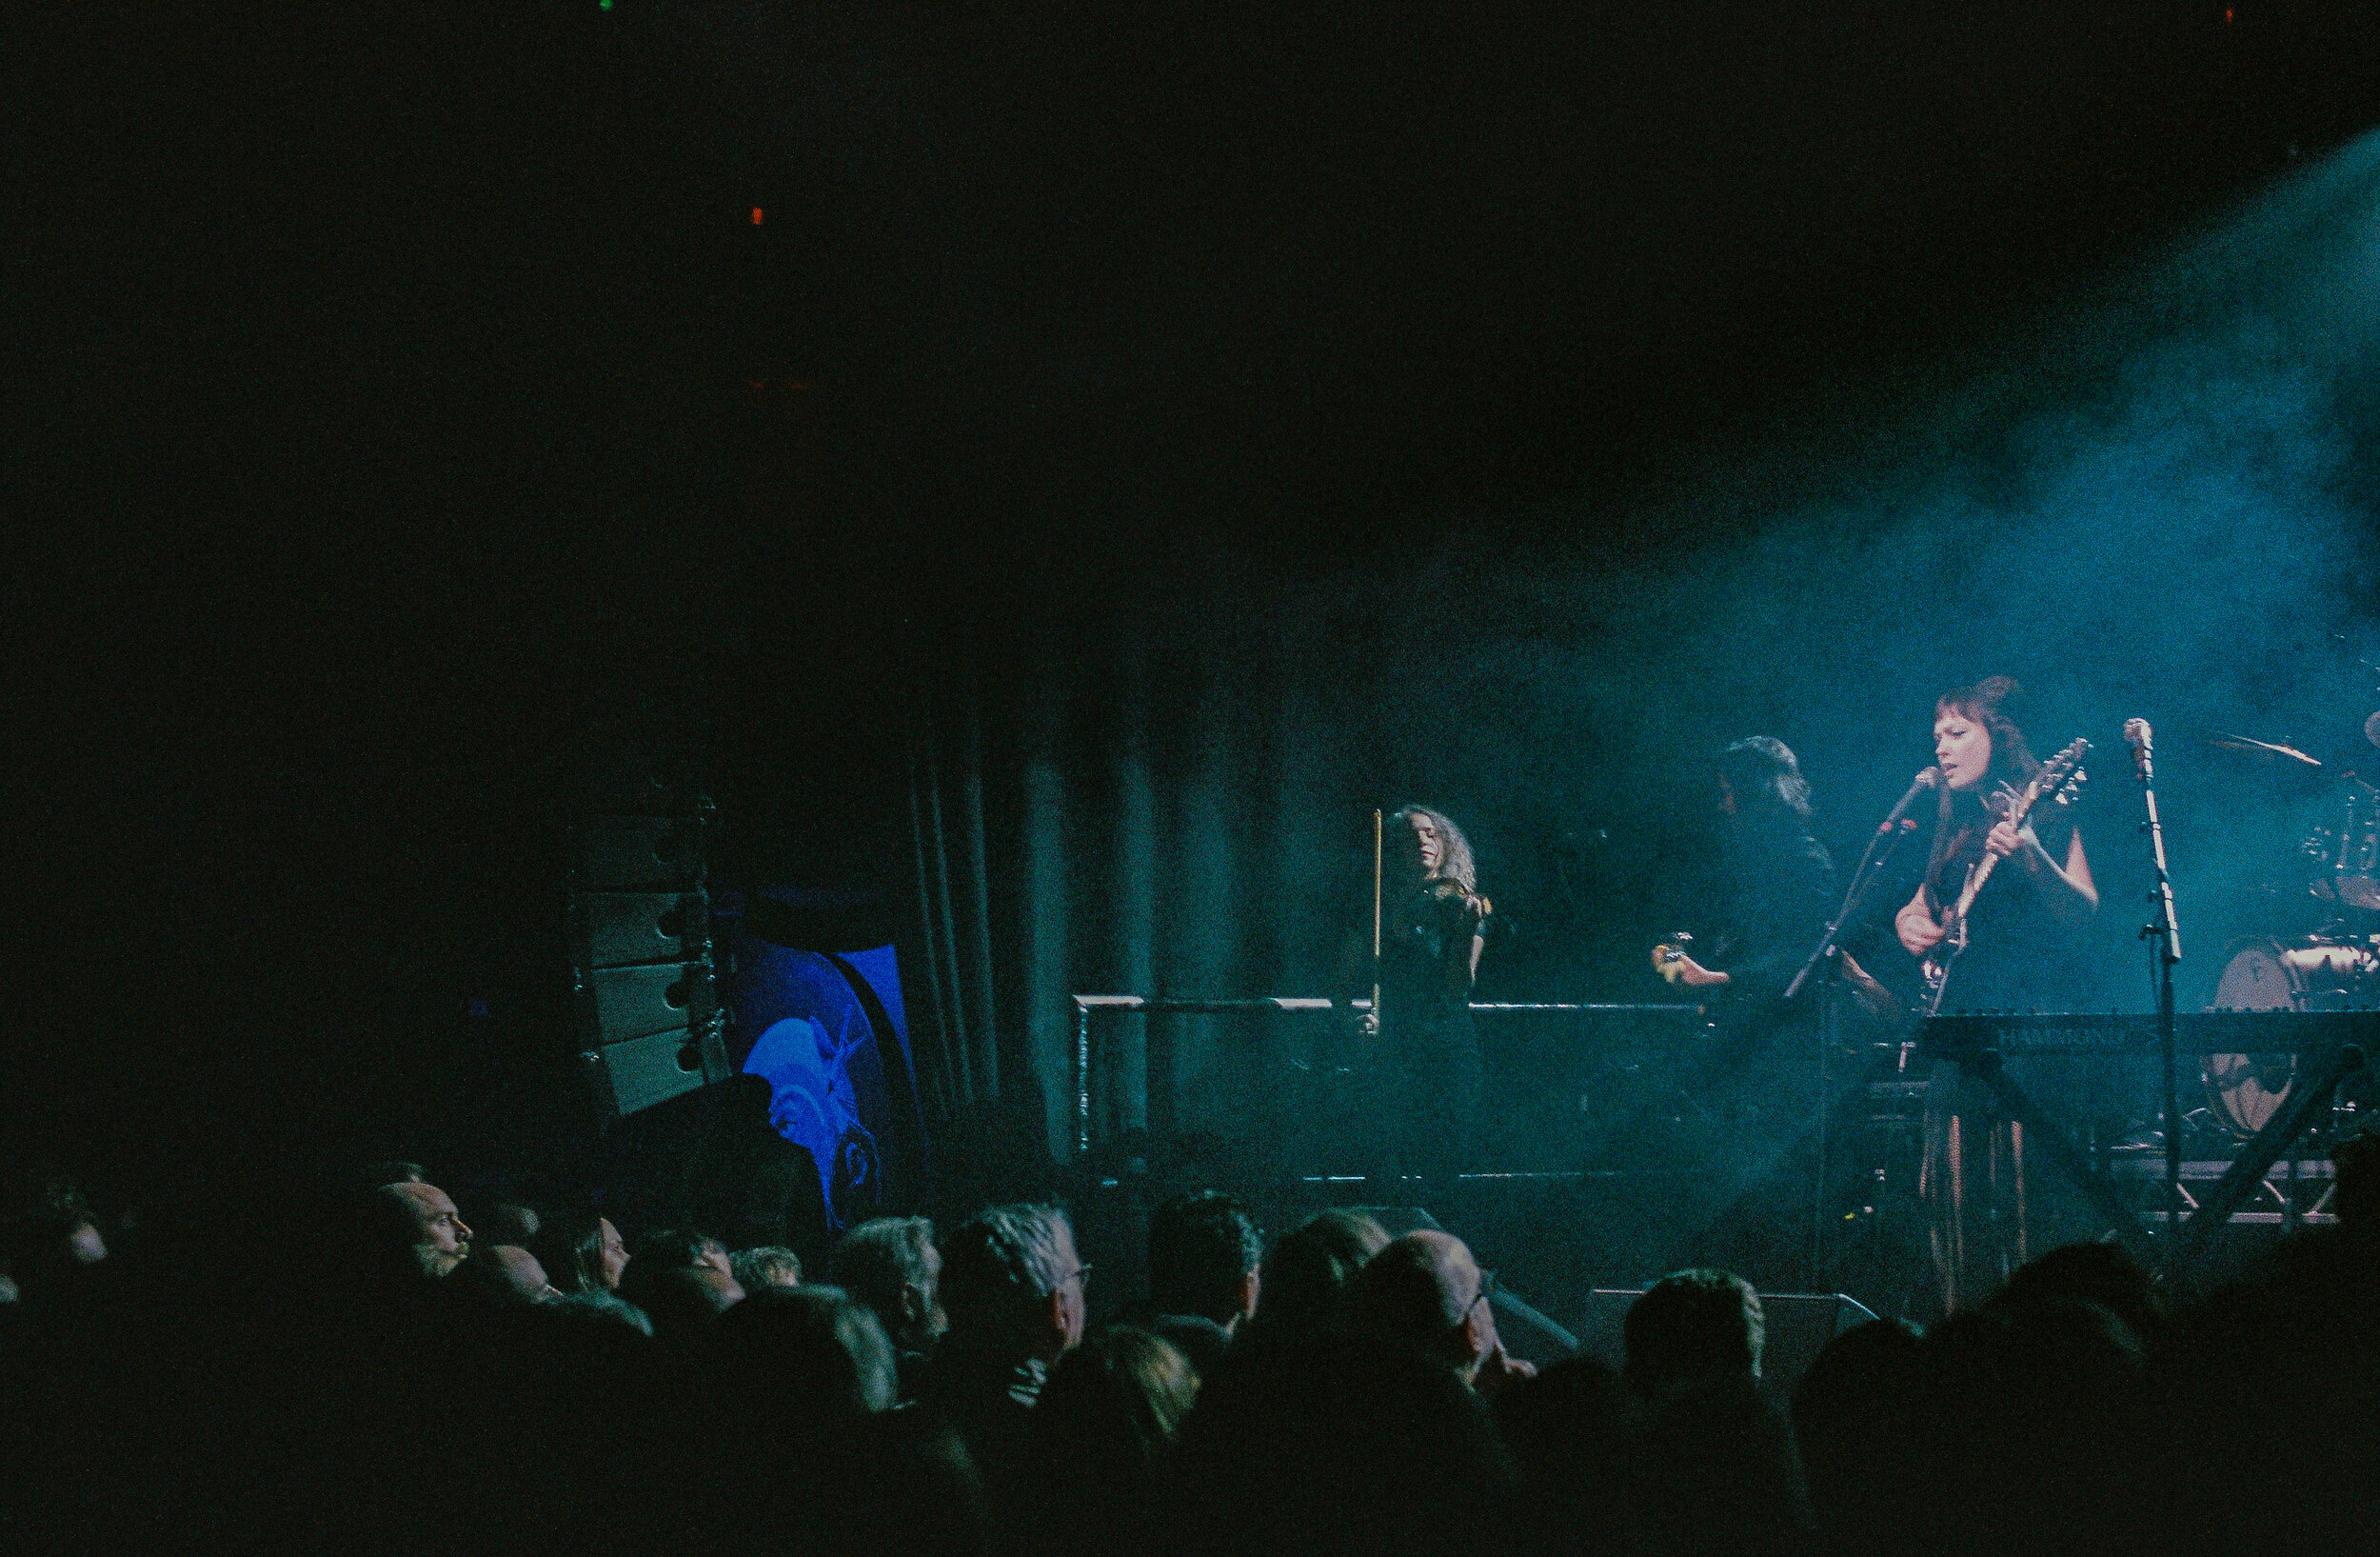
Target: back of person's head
x: 1764, y: 777
x: 675, y: 1248
x: 509, y: 1221
x: 1562, y: 1419
x: 1693, y: 1328
x: 999, y: 1268
x: 1563, y: 1428
x: 1342, y: 1444
x: 1307, y: 1275
x: 1115, y: 1401
x: 1204, y: 1253
x: 891, y: 1264
x: 768, y: 1266
x: 682, y: 1281
x: 2099, y: 1273
x: 1852, y: 1421
x: 2028, y: 1424
x: 600, y: 1308
x: 811, y: 1350
x: 504, y: 1275
x: 1423, y: 1292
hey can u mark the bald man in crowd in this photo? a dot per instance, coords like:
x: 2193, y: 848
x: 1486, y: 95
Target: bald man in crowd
x: 1425, y: 1292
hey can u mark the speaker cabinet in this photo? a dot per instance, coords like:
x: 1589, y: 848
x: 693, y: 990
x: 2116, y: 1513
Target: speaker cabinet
x: 643, y: 977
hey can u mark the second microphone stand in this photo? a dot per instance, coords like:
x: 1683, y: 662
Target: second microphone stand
x: 1872, y: 863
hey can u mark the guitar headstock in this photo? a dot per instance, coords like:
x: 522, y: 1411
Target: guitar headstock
x: 2062, y: 777
x: 2066, y: 759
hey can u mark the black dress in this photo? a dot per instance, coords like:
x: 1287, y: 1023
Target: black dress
x: 1993, y: 1203
x: 2020, y: 956
x: 1427, y: 1068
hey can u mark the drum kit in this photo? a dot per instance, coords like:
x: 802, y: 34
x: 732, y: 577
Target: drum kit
x: 2331, y: 881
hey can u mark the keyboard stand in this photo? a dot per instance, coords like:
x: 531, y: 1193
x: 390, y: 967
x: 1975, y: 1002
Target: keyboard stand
x: 1985, y: 1067
x: 2280, y: 1133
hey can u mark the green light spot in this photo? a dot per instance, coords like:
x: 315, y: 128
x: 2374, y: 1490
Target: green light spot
x: 603, y: 5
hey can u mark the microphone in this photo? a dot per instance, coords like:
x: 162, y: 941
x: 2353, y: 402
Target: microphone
x: 2136, y: 733
x: 1917, y: 786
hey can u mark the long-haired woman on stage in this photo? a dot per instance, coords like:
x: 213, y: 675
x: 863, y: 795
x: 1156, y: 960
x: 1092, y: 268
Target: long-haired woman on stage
x: 1425, y: 1057
x: 2024, y: 952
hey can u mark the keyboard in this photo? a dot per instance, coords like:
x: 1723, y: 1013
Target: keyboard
x: 2198, y: 1032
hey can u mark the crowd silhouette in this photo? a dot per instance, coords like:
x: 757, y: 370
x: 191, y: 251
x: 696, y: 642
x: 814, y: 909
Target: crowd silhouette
x: 368, y: 1365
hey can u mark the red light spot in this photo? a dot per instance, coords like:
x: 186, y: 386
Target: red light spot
x: 2229, y: 16
x: 756, y: 210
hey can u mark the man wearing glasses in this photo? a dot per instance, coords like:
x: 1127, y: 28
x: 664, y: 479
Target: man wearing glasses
x: 1013, y: 1288
x: 1424, y: 1292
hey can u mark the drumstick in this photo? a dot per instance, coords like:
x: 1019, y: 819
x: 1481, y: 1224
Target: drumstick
x: 1376, y: 914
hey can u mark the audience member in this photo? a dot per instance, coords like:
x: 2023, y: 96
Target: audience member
x: 1108, y: 1414
x: 1853, y: 1427
x: 892, y: 1265
x: 682, y: 1281
x: 756, y: 1268
x: 443, y: 1391
x: 2100, y: 1273
x: 507, y: 1273
x: 425, y: 1217
x: 1710, y: 1464
x: 582, y: 1253
x: 1342, y: 1445
x: 603, y: 1308
x: 1013, y: 1287
x: 1204, y: 1254
x: 1563, y: 1428
x: 1424, y: 1292
x: 809, y: 1352
x: 1305, y: 1278
x: 509, y: 1221
x: 1692, y: 1328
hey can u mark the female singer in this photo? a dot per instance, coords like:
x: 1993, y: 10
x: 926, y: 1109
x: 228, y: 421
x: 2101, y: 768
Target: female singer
x: 2022, y: 950
x: 2023, y: 953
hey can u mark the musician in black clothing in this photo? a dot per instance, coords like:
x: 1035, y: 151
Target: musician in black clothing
x: 2023, y: 953
x: 2023, y: 950
x: 1424, y: 1048
x: 1760, y: 1079
x: 1776, y: 884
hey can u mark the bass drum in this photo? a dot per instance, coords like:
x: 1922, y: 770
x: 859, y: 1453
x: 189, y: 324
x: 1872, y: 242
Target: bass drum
x: 2317, y: 973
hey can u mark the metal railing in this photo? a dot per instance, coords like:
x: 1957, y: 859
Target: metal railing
x: 1085, y: 1006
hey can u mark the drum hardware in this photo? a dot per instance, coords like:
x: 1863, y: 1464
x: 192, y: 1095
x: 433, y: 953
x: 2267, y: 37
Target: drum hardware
x: 2315, y: 973
x: 2270, y: 748
x: 2347, y: 857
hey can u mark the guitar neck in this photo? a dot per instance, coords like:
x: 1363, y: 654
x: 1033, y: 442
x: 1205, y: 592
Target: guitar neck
x: 1982, y: 872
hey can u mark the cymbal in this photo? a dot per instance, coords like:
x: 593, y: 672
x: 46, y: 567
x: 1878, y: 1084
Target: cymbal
x: 2243, y: 743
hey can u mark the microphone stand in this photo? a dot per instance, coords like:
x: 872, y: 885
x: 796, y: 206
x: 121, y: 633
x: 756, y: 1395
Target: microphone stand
x: 1872, y: 865
x: 2165, y: 950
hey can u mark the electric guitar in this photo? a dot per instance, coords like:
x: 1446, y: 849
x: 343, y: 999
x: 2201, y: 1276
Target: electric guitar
x: 2060, y: 780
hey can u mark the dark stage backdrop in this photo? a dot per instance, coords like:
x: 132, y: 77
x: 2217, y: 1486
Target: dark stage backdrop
x: 1158, y: 779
